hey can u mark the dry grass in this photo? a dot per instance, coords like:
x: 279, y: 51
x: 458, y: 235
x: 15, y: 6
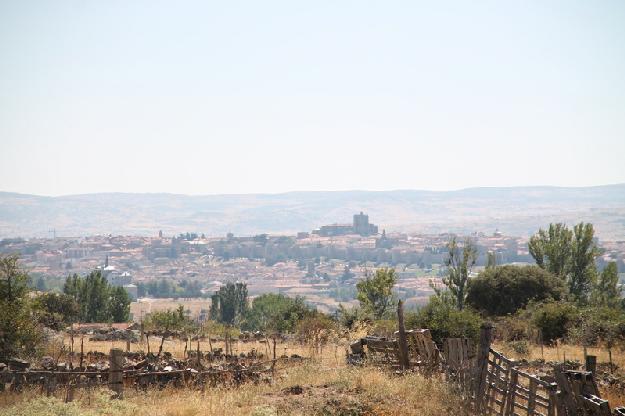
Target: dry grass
x: 331, y: 354
x: 310, y: 389
x: 323, y: 386
x: 615, y: 395
x: 562, y: 351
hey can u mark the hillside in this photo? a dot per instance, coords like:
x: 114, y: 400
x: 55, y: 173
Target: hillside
x: 515, y: 211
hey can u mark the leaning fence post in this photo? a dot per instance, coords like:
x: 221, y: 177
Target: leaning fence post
x: 404, y: 358
x: 116, y: 372
x: 486, y: 334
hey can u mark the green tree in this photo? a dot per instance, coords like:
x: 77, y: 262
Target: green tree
x: 72, y: 286
x: 229, y: 303
x: 93, y: 298
x: 607, y: 291
x: 459, y: 265
x: 19, y: 332
x: 276, y: 313
x: 551, y: 249
x: 583, y: 271
x: 40, y: 285
x: 98, y: 301
x: 569, y: 255
x: 375, y: 292
x: 505, y: 289
x: 119, y: 305
x: 165, y: 322
x: 491, y: 260
x: 56, y: 310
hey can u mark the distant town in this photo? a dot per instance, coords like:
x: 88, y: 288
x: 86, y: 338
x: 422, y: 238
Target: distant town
x: 322, y: 265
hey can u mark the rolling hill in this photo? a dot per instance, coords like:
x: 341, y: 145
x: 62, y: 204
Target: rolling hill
x: 515, y: 211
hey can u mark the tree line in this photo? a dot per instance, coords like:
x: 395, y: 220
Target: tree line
x: 22, y: 316
x: 562, y: 296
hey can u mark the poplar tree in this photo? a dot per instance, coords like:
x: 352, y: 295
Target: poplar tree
x: 459, y: 264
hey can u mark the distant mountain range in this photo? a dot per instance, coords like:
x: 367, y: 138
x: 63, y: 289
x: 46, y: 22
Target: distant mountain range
x: 515, y: 211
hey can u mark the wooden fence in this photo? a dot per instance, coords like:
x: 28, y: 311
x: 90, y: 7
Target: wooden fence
x: 116, y: 378
x: 491, y: 382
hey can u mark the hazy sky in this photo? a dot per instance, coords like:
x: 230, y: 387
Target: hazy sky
x: 263, y: 96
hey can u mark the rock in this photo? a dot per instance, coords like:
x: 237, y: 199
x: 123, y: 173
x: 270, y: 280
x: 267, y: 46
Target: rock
x: 18, y: 365
x: 296, y: 389
x: 356, y: 347
x: 47, y: 363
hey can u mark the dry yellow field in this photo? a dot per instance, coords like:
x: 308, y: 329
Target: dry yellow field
x: 306, y: 389
x: 324, y: 385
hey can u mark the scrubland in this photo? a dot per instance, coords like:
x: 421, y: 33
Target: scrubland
x: 313, y: 388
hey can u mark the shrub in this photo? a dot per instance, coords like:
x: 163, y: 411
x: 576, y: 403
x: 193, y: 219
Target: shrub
x: 384, y: 327
x: 276, y: 312
x: 514, y: 327
x: 505, y: 289
x: 444, y: 321
x: 598, y: 325
x: 520, y: 347
x: 554, y: 319
x: 316, y: 330
x: 352, y: 317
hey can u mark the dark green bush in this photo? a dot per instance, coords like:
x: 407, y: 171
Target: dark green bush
x: 444, y: 321
x: 276, y: 312
x: 505, y: 289
x: 520, y: 347
x: 599, y: 325
x: 554, y: 319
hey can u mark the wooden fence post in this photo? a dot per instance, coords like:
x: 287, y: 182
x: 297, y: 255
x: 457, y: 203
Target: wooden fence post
x: 198, y: 354
x: 116, y: 368
x: 591, y: 363
x: 69, y: 397
x: 404, y: 358
x: 486, y: 336
x: 82, y: 351
x: 274, y: 347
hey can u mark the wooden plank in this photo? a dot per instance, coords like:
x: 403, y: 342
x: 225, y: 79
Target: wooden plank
x: 380, y: 344
x: 531, y: 403
x: 538, y: 398
x: 512, y: 392
x: 595, y: 406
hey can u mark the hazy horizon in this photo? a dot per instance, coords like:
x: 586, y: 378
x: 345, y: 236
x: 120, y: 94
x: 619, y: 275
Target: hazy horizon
x: 210, y: 98
x: 327, y: 191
